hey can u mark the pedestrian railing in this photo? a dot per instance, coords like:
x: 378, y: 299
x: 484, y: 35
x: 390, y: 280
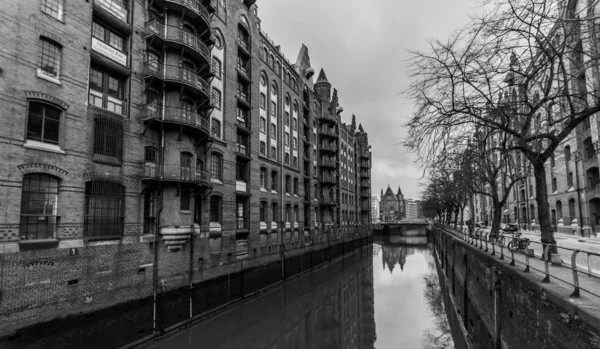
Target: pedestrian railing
x: 580, y: 261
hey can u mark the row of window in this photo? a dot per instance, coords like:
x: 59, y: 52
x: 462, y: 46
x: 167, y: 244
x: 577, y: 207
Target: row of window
x: 291, y: 186
x: 290, y: 214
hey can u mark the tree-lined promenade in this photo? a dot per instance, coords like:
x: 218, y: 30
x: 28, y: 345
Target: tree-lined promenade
x: 497, y: 98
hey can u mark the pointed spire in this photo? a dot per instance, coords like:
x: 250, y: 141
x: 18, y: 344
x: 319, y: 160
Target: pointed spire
x: 334, y: 98
x: 360, y: 128
x: 399, y: 191
x: 322, y: 77
x: 381, y: 193
x: 353, y: 123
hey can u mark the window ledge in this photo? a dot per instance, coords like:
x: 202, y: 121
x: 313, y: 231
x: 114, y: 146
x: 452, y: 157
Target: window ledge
x: 106, y: 159
x: 263, y: 189
x: 214, y: 180
x: 60, y: 18
x: 186, y: 212
x: 43, y: 76
x: 273, y: 191
x: 43, y: 146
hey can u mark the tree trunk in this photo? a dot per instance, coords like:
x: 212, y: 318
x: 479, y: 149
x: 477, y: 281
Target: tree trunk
x: 541, y: 197
x: 497, y: 217
x: 462, y: 217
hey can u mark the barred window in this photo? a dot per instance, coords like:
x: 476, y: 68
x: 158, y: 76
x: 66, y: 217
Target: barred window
x: 216, y: 67
x: 216, y: 94
x: 273, y: 131
x: 263, y: 177
x: 150, y: 155
x: 274, y: 212
x: 263, y: 148
x: 108, y: 138
x: 185, y: 202
x: 273, y: 108
x: 287, y: 138
x: 104, y: 209
x: 53, y: 7
x: 43, y: 122
x: 216, y: 128
x: 241, y: 173
x: 49, y: 57
x: 215, y: 209
x: 263, y: 125
x: 216, y: 163
x: 273, y: 152
x: 263, y: 101
x: 39, y: 202
x: 274, y: 180
x: 287, y: 118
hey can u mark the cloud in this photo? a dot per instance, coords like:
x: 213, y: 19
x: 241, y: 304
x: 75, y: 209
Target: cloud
x: 364, y: 50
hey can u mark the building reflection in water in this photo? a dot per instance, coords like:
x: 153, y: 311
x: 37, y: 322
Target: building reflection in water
x: 328, y: 309
x: 409, y: 308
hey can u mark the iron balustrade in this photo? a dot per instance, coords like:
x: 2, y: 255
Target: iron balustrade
x: 243, y: 70
x: 195, y: 6
x: 243, y: 96
x: 328, y: 117
x: 365, y: 174
x: 481, y: 239
x: 244, y: 43
x: 188, y: 77
x: 328, y: 200
x: 177, y: 115
x: 176, y: 34
x: 328, y: 147
x: 327, y: 131
x: 328, y: 178
x: 328, y: 162
x: 175, y: 173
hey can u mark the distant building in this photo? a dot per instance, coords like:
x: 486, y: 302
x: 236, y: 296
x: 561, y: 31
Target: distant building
x: 374, y: 209
x: 392, y: 206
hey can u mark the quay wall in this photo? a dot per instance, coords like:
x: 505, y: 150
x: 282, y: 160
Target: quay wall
x: 498, y: 306
x: 104, y: 295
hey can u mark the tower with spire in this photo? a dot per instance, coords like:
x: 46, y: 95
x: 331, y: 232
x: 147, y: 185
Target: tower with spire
x: 392, y: 206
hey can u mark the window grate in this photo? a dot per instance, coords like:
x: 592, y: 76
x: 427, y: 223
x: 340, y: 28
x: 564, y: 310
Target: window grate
x: 108, y: 138
x: 104, y: 209
x: 39, y: 202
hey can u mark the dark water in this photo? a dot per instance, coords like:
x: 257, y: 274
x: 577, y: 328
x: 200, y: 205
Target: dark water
x: 386, y: 296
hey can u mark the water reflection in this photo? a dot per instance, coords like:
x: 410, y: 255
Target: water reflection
x: 330, y: 308
x: 339, y: 306
x: 409, y: 308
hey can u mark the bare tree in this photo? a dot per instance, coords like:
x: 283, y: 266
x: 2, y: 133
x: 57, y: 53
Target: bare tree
x: 519, y: 69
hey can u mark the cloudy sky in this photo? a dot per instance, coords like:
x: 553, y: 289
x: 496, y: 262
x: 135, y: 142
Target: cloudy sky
x: 362, y: 45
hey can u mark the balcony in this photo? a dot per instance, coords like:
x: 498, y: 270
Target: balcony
x: 243, y: 98
x: 242, y: 151
x: 243, y: 73
x: 192, y: 8
x: 365, y: 206
x: 328, y: 117
x: 176, y: 37
x: 170, y: 115
x: 244, y: 46
x: 173, y: 173
x: 191, y: 81
x: 365, y: 154
x: 365, y: 163
x: 327, y: 201
x: 243, y: 126
x: 327, y: 148
x: 365, y: 193
x: 328, y: 179
x: 327, y: 132
x: 330, y: 163
x: 306, y: 156
x: 106, y: 102
x: 365, y: 174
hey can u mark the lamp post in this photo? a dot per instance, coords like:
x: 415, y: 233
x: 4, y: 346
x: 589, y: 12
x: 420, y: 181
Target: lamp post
x: 577, y: 158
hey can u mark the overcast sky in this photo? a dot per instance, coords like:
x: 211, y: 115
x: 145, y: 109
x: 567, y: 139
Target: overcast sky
x: 362, y: 45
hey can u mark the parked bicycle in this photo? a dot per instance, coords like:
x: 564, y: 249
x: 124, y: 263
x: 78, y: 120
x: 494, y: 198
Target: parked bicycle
x: 518, y: 244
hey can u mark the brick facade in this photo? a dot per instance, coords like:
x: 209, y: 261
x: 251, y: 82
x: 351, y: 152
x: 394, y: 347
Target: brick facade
x: 118, y: 195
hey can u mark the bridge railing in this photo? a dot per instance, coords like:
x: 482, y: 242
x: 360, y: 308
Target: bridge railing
x: 538, y: 256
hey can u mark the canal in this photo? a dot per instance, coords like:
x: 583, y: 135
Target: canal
x: 385, y: 296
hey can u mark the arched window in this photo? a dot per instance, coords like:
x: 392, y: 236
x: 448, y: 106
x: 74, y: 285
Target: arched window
x: 264, y: 53
x: 263, y: 211
x: 39, y: 204
x: 274, y: 88
x: 287, y: 100
x: 263, y: 79
x: 104, y: 209
x: 277, y: 68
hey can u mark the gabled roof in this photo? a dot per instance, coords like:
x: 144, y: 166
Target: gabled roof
x: 389, y: 191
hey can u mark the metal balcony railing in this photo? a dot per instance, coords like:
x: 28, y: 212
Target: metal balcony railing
x: 195, y: 6
x: 327, y: 178
x: 327, y: 200
x: 242, y: 149
x: 328, y: 131
x: 177, y: 115
x: 179, y: 35
x: 175, y: 173
x: 328, y: 162
x: 328, y: 147
x: 328, y: 117
x: 244, y: 43
x: 243, y: 96
x: 187, y: 77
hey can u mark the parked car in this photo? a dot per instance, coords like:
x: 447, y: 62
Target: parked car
x: 510, y: 228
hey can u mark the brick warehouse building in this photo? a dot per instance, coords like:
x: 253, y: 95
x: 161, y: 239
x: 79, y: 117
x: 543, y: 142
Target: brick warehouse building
x: 158, y: 143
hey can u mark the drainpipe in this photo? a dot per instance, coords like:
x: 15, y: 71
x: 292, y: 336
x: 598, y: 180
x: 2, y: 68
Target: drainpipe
x: 157, y: 236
